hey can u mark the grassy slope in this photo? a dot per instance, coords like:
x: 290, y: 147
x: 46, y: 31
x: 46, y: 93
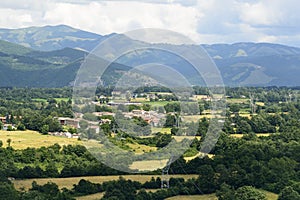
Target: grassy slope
x: 11, y: 48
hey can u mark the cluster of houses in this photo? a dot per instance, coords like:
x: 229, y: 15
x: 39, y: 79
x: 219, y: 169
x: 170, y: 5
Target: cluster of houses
x: 6, y: 125
x: 66, y: 121
x: 151, y: 117
x: 64, y: 134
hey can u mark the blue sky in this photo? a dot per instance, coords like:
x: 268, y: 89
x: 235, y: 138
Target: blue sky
x: 204, y: 21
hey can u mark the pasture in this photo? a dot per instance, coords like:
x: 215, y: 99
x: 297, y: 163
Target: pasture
x: 269, y: 195
x: 162, y: 130
x: 148, y: 165
x: 69, y: 182
x: 45, y: 100
x: 91, y: 196
x: 33, y: 139
x: 258, y: 135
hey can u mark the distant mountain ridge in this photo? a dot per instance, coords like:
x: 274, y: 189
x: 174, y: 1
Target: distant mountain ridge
x: 50, y: 56
x: 49, y: 38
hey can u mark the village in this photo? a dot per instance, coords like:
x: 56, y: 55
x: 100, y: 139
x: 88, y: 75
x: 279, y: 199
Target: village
x: 147, y: 106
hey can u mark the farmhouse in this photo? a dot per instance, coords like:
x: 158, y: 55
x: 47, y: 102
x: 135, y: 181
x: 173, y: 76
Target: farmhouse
x: 123, y: 103
x: 105, y: 121
x: 100, y: 114
x: 6, y: 127
x: 3, y: 120
x: 65, y: 121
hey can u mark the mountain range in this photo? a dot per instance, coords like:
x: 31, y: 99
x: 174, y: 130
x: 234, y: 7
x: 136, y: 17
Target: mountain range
x: 50, y: 56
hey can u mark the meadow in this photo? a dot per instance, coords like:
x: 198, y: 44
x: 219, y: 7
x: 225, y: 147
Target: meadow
x: 269, y: 195
x: 33, y: 139
x: 69, y: 182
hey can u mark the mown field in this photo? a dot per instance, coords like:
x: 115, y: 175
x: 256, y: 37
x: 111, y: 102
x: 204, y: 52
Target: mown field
x: 69, y: 182
x: 96, y: 196
x: 148, y: 165
x: 24, y: 139
x: 45, y: 100
x: 162, y: 130
x: 270, y: 196
x: 99, y: 195
x: 258, y: 135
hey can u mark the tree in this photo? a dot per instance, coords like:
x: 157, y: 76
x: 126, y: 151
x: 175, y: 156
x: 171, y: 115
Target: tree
x: 45, y: 129
x: 234, y: 108
x: 21, y: 127
x: 8, y: 142
x: 146, y: 107
x: 51, y: 170
x: 87, y: 187
x: 8, y: 192
x: 288, y: 193
x: 243, y: 127
x: 206, y: 179
x: 128, y: 96
x: 226, y: 192
x: 201, y: 109
x: 170, y: 121
x: 249, y: 193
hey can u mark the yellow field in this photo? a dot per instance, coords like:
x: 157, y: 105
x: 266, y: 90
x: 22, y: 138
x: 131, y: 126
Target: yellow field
x: 260, y: 103
x: 141, y: 148
x: 91, y: 196
x: 180, y: 138
x: 139, y: 99
x: 237, y: 100
x: 243, y: 115
x: 24, y: 139
x: 148, y: 165
x: 270, y: 196
x: 162, y: 130
x: 258, y: 135
x: 198, y: 155
x: 194, y: 197
x: 69, y: 182
x: 198, y: 97
x: 195, y: 118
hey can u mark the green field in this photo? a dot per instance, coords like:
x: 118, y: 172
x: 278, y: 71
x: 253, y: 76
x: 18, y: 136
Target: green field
x: 24, y: 139
x: 162, y: 130
x: 141, y: 148
x: 45, y: 100
x: 158, y: 103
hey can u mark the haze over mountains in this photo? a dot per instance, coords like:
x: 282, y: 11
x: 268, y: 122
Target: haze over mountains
x: 50, y: 57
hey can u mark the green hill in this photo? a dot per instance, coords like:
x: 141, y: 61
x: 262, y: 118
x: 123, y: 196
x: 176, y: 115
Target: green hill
x: 11, y: 48
x: 24, y: 67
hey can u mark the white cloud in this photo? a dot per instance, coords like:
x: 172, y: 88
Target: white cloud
x: 120, y: 17
x: 260, y: 14
x: 212, y: 21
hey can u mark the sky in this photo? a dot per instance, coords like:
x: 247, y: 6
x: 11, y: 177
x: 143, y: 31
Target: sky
x: 204, y: 21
